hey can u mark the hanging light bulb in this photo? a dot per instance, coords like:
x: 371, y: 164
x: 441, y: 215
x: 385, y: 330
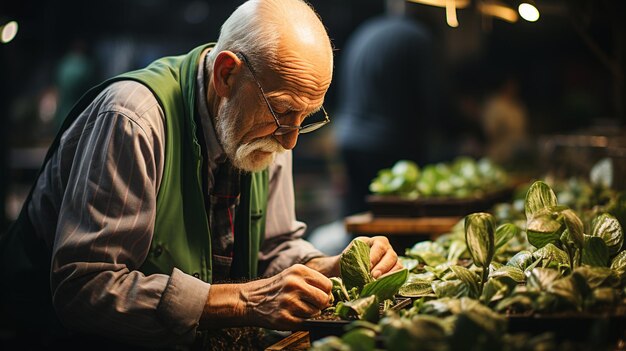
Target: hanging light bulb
x: 451, y: 18
x: 528, y: 12
x: 8, y: 32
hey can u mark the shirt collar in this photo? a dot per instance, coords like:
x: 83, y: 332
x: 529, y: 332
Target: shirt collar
x: 215, y: 151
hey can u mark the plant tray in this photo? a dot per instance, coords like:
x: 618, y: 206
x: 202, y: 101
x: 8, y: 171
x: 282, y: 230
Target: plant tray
x: 581, y: 327
x: 319, y: 328
x: 398, y: 206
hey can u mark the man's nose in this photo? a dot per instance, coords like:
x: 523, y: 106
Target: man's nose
x: 289, y: 140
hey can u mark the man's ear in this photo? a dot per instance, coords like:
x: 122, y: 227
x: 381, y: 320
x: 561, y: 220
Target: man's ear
x: 225, y: 68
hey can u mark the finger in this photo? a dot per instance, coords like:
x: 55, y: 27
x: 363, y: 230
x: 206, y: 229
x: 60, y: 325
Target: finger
x: 318, y: 280
x: 379, y: 247
x: 302, y: 308
x: 315, y: 297
x: 389, y: 260
x: 397, y: 267
x: 287, y: 321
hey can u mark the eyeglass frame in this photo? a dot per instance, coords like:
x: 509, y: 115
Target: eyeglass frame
x: 282, y: 129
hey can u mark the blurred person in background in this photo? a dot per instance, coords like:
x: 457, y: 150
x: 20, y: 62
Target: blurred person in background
x: 387, y: 100
x: 164, y: 182
x: 504, y: 122
x: 387, y: 87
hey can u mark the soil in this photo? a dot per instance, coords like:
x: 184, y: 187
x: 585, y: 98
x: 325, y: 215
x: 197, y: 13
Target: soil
x: 235, y: 339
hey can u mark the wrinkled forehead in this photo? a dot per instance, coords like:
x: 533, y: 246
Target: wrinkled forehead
x: 305, y: 73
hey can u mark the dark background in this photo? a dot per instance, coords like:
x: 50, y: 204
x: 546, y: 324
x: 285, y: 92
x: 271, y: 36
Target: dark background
x: 568, y: 65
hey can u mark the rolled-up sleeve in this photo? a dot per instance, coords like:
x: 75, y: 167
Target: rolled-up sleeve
x: 283, y: 245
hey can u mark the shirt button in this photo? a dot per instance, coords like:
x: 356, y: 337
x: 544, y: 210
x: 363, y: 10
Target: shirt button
x: 158, y: 251
x: 197, y: 275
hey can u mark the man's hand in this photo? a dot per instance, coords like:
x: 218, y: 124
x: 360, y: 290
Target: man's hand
x: 286, y: 299
x: 383, y: 258
x: 280, y: 302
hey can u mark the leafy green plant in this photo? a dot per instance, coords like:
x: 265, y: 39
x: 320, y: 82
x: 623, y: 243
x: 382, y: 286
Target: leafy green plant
x: 462, y: 178
x: 468, y: 281
x: 480, y: 238
x: 356, y: 293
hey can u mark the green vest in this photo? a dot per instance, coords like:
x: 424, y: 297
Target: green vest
x: 181, y: 234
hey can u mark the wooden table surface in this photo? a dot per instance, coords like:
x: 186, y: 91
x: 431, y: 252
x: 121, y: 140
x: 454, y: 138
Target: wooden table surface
x: 402, y: 232
x: 298, y: 341
x: 367, y: 224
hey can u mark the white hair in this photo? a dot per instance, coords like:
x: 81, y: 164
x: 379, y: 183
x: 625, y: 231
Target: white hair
x: 253, y: 28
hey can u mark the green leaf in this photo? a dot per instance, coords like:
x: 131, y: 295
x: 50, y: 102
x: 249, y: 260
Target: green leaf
x: 469, y: 278
x: 409, y: 263
x: 456, y: 250
x: 618, y: 264
x: 603, y: 297
x: 515, y: 302
x: 372, y: 312
x: 504, y: 233
x: 339, y: 290
x: 495, y: 266
x: 479, y: 236
x: 357, y: 309
x: 440, y: 307
x: 417, y: 277
x: 426, y: 246
x: 521, y: 260
x: 355, y: 265
x: 440, y: 270
x: 494, y: 290
x: 450, y: 288
x: 416, y: 289
x: 386, y: 286
x: 568, y: 290
x: 482, y: 315
x: 551, y: 255
x: 541, y: 278
x: 538, y: 197
x: 360, y: 339
x: 408, y: 170
x: 329, y: 343
x: 574, y: 226
x: 430, y: 258
x: 515, y: 274
x: 404, y: 334
x: 597, y: 276
x: 595, y: 252
x: 544, y: 227
x: 609, y: 229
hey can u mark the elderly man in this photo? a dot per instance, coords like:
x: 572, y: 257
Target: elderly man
x: 167, y: 179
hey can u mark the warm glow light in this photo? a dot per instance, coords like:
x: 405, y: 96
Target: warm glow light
x: 528, y: 12
x: 498, y: 10
x: 451, y: 14
x: 9, y: 31
x: 459, y: 4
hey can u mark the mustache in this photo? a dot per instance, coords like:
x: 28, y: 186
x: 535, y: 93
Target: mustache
x: 267, y: 144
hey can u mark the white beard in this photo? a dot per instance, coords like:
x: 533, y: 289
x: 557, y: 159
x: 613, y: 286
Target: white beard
x: 251, y: 157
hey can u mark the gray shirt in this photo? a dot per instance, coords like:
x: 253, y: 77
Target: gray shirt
x: 94, y: 205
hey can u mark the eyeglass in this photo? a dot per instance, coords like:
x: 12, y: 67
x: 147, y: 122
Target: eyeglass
x: 282, y: 129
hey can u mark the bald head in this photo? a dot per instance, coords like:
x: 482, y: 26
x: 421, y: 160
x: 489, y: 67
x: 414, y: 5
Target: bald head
x: 273, y: 32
